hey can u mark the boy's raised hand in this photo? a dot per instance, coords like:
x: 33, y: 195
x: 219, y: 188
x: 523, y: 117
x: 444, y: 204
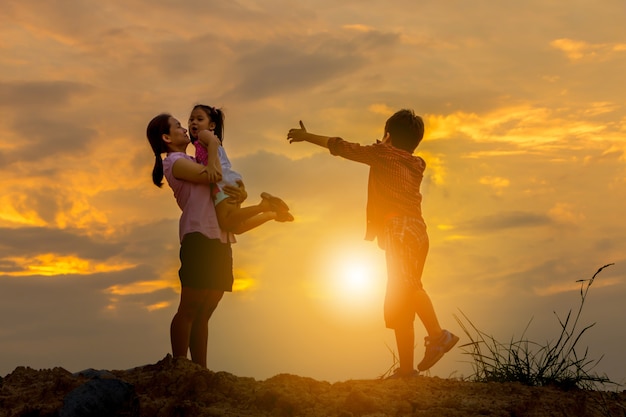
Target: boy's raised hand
x: 297, y: 135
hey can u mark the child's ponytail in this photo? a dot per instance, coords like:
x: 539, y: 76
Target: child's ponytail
x: 217, y: 117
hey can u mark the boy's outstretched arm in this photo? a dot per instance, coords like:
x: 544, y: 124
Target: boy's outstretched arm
x: 301, y: 135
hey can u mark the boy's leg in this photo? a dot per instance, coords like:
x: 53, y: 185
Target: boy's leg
x: 406, y: 245
x: 405, y: 342
x: 399, y: 308
x: 420, y: 299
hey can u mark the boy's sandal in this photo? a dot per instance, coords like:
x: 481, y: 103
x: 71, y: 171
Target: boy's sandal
x: 276, y: 203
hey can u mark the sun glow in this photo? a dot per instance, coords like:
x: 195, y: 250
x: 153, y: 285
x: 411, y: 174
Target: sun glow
x: 355, y: 279
x: 352, y: 283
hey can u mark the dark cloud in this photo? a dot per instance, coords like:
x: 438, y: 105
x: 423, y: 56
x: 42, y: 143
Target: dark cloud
x: 506, y: 220
x: 75, y: 314
x: 271, y: 69
x: 38, y: 96
x: 30, y: 241
x: 42, y: 118
x: 52, y: 136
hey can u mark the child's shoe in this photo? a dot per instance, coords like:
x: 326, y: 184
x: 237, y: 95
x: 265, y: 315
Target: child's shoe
x: 284, y: 216
x: 435, y: 349
x: 276, y: 203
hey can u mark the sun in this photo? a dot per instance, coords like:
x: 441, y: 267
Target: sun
x: 355, y: 278
x: 351, y: 281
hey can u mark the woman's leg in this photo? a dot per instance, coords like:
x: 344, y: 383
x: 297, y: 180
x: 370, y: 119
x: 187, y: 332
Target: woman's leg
x: 191, y: 301
x: 199, y: 336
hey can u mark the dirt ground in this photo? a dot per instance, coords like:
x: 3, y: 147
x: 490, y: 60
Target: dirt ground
x: 177, y: 387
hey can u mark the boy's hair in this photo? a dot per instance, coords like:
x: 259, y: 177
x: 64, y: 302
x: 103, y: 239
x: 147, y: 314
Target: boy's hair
x: 216, y: 115
x: 158, y: 126
x: 406, y: 129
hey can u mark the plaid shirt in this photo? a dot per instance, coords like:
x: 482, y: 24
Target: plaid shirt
x: 394, y: 181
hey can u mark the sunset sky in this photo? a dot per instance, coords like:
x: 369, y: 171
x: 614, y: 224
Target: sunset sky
x: 524, y: 193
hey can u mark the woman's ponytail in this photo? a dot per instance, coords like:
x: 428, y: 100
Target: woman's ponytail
x: 158, y: 126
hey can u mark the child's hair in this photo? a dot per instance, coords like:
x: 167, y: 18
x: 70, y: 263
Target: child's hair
x: 406, y: 129
x: 158, y: 126
x: 216, y: 115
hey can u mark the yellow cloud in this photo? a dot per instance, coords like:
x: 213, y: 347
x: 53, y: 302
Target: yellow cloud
x: 14, y: 209
x: 577, y: 50
x: 525, y: 125
x: 50, y: 265
x: 358, y: 27
x: 244, y: 282
x: 564, y: 213
x: 381, y: 109
x: 141, y: 287
x: 435, y: 168
x: 496, y: 183
x: 573, y: 286
x: 445, y: 227
x: 158, y: 306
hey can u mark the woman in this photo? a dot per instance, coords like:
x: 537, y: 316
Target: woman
x: 206, y: 270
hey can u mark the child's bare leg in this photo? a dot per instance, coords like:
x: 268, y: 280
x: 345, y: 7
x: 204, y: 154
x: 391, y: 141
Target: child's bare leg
x: 254, y: 221
x: 236, y: 219
x: 230, y: 215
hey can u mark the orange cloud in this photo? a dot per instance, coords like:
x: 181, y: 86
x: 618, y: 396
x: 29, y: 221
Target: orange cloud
x: 564, y: 213
x: 244, y: 281
x: 50, y: 264
x: 436, y: 169
x: 573, y: 286
x: 141, y: 287
x: 16, y: 210
x: 577, y: 50
x: 158, y: 306
x: 496, y: 183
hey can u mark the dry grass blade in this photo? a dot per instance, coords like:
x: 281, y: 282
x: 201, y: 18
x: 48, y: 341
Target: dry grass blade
x: 521, y: 360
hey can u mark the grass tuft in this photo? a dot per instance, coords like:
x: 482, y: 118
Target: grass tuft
x: 560, y: 363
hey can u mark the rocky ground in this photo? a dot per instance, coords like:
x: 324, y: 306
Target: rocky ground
x: 177, y: 387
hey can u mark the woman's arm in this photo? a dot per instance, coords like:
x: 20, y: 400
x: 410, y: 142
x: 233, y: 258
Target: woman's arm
x: 188, y: 170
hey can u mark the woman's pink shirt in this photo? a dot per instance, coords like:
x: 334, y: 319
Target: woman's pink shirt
x: 195, y: 201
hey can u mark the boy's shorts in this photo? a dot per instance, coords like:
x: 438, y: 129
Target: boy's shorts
x: 205, y: 263
x: 406, y: 246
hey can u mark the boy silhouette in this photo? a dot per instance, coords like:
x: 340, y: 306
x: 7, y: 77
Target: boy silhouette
x: 394, y: 218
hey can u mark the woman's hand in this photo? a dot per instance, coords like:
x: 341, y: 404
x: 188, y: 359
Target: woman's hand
x: 214, y: 174
x: 237, y: 193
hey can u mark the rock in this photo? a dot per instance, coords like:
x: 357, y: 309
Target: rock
x: 101, y: 397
